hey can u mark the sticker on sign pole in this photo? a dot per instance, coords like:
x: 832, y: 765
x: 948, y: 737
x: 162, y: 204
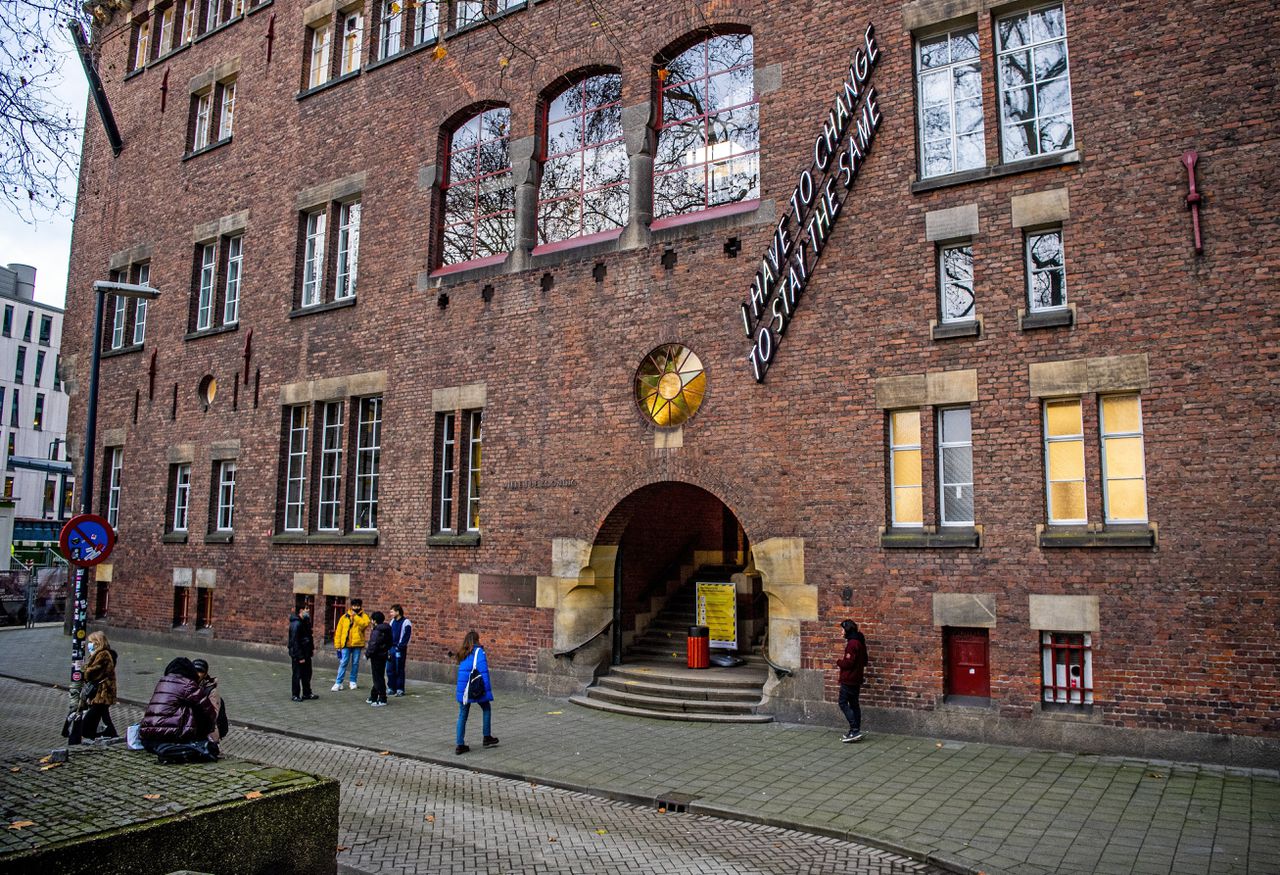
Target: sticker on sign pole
x: 86, y: 540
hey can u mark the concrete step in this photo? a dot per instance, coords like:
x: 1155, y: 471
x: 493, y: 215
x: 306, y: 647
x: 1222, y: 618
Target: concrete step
x: 665, y: 673
x: 713, y: 693
x: 673, y: 703
x: 685, y: 716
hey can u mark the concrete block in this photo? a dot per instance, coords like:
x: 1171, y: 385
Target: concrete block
x: 337, y: 584
x: 1040, y: 208
x: 306, y: 582
x: 1064, y: 613
x: 910, y: 390
x: 951, y: 224
x: 468, y: 589
x: 926, y: 13
x: 963, y: 609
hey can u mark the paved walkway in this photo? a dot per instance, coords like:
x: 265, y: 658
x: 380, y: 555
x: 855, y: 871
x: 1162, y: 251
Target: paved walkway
x: 964, y: 806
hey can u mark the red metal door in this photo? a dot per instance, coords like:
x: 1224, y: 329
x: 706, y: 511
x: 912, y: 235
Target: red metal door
x: 968, y: 673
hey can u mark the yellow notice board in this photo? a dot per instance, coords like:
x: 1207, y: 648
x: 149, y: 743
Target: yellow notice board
x: 718, y: 611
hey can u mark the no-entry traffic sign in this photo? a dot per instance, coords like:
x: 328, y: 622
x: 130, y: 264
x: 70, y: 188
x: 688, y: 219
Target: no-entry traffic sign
x: 86, y: 540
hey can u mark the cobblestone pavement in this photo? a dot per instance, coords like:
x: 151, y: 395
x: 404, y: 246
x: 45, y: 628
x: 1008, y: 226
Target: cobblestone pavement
x: 964, y: 805
x: 404, y: 816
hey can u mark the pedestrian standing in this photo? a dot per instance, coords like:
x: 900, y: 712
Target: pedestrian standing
x: 473, y: 687
x: 377, y: 649
x: 100, y: 675
x: 301, y: 648
x: 401, y: 633
x: 349, y: 639
x: 852, y: 665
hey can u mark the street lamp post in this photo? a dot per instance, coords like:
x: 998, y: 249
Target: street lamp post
x: 80, y: 605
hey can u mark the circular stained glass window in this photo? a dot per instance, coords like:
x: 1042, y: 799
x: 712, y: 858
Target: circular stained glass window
x: 670, y: 383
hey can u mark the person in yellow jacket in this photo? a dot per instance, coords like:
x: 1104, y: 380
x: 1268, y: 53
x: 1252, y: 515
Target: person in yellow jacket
x: 349, y: 639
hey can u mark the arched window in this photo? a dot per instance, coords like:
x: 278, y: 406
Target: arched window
x: 479, y: 201
x: 584, y: 175
x: 709, y: 133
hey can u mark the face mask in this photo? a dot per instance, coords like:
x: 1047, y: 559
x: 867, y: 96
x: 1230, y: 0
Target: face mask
x: 92, y: 647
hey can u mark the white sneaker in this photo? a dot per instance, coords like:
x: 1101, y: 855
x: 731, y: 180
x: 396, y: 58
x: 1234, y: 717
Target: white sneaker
x: 337, y: 687
x: 352, y: 685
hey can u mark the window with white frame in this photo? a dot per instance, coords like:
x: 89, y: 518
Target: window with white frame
x: 955, y: 283
x: 907, y: 492
x: 467, y: 12
x: 1034, y: 83
x: 164, y: 29
x: 128, y: 315
x: 330, y: 248
x: 331, y: 440
x: 1046, y: 271
x: 190, y: 21
x: 331, y: 506
x: 114, y: 469
x: 426, y: 21
x: 352, y: 42
x: 319, y: 64
x: 368, y: 457
x: 949, y: 87
x: 212, y: 15
x: 391, y: 15
x: 295, y: 480
x: 446, y: 429
x: 1066, y: 668
x: 955, y: 466
x: 473, y: 471
x: 141, y: 43
x: 457, y: 472
x: 214, y: 304
x: 180, y: 489
x: 225, y: 491
x: 1064, y: 461
x: 212, y: 115
x: 1124, y: 478
x: 203, y: 108
x: 479, y: 200
x: 227, y: 111
x: 140, y: 305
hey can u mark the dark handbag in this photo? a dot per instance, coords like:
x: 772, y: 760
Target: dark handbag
x: 87, y: 690
x: 71, y: 726
x: 180, y: 753
x: 475, y: 682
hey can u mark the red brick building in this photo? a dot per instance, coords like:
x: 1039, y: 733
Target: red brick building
x: 961, y: 368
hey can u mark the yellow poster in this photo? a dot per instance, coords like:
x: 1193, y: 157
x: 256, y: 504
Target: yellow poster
x: 718, y: 611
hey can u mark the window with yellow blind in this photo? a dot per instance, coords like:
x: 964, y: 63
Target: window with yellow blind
x: 1124, y: 479
x: 1064, y: 461
x: 907, y: 494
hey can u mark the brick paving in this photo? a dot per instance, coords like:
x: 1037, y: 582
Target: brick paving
x: 962, y: 805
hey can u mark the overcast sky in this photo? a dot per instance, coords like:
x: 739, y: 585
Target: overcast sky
x: 47, y: 244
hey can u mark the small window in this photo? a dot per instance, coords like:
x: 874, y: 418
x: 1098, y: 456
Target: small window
x: 46, y: 326
x: 8, y: 321
x: 907, y: 504
x: 1066, y: 668
x: 231, y: 292
x: 208, y: 261
x: 181, y: 606
x: 426, y: 21
x: 955, y: 284
x: 467, y: 12
x: 390, y: 26
x: 1035, y: 84
x: 334, y: 607
x: 26, y: 332
x: 180, y: 489
x: 955, y: 466
x: 479, y: 199
x: 102, y: 599
x: 949, y: 88
x: 1064, y: 461
x: 15, y: 420
x: 189, y: 21
x: 352, y: 42
x: 296, y: 420
x: 20, y: 365
x: 202, y: 131
x: 141, y: 44
x: 204, y: 607
x: 37, y: 420
x: 473, y: 471
x: 348, y: 250
x: 213, y: 112
x: 142, y: 277
x: 39, y: 367
x: 318, y: 60
x: 1124, y: 479
x: 326, y: 275
x: 164, y: 30
x: 115, y: 467
x: 331, y: 439
x: 446, y: 429
x: 216, y: 304
x: 1046, y: 271
x: 226, y: 497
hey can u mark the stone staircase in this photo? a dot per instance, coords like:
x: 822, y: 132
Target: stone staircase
x: 655, y: 681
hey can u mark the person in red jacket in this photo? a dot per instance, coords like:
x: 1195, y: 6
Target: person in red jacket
x: 852, y: 665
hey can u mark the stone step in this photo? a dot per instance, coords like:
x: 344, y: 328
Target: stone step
x: 685, y: 716
x: 659, y: 689
x: 674, y: 703
x: 665, y: 673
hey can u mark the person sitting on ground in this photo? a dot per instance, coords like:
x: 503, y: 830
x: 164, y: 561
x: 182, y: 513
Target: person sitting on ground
x: 180, y: 709
x: 210, y: 685
x: 100, y: 672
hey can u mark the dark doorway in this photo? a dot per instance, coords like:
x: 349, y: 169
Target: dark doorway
x: 967, y: 670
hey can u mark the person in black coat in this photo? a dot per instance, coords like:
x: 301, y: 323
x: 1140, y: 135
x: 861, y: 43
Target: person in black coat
x: 301, y: 648
x: 377, y: 649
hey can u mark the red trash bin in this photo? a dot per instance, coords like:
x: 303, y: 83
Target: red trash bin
x: 699, y: 647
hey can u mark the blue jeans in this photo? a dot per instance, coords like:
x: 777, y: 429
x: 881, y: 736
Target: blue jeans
x: 463, y: 708
x: 348, y: 656
x: 395, y: 672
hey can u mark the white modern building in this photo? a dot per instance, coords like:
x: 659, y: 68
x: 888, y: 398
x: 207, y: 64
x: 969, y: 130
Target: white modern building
x: 33, y: 409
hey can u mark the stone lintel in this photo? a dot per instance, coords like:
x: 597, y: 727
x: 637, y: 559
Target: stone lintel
x: 955, y: 223
x: 225, y: 450
x: 470, y: 397
x: 1064, y: 613
x: 964, y: 609
x: 306, y: 582
x: 335, y: 584
x: 333, y: 190
x: 1120, y: 373
x: 668, y: 438
x: 333, y: 388
x: 929, y: 13
x: 181, y: 576
x: 220, y: 73
x: 1040, y: 208
x: 206, y: 578
x: 132, y: 255
x: 113, y: 437
x: 179, y: 453
x: 103, y: 573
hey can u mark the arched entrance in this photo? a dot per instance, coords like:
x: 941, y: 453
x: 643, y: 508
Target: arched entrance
x: 668, y: 536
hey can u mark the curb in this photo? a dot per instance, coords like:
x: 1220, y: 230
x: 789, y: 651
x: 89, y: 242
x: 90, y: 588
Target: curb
x: 695, y: 807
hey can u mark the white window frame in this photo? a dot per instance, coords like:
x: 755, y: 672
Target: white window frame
x: 426, y: 21
x: 212, y: 14
x: 116, y: 468
x: 352, y: 42
x: 313, y: 266
x: 1048, y: 694
x: 390, y: 28
x: 321, y: 37
x: 1083, y: 480
x: 117, y: 323
x: 1032, y: 85
x: 190, y: 11
x: 231, y: 299
x: 143, y: 46
x: 204, y: 112
x: 1032, y: 271
x: 448, y: 452
x: 467, y: 12
x: 368, y: 458
x: 226, y: 496
x: 227, y: 111
x: 474, y: 461
x: 330, y: 498
x: 208, y: 269
x: 164, y: 30
x: 348, y: 250
x: 950, y: 69
x: 181, y: 496
x: 946, y: 284
x: 140, y: 308
x: 894, y: 449
x: 296, y: 468
x: 1107, y: 479
x: 943, y: 480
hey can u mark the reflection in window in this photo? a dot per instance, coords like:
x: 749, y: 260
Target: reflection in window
x: 479, y: 201
x: 584, y: 177
x: 955, y: 466
x: 1035, y: 85
x: 955, y: 270
x: 670, y: 384
x: 709, y: 135
x: 950, y: 104
x: 468, y: 12
x: 1046, y: 271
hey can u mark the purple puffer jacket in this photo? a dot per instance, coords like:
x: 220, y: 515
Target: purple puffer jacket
x: 179, y: 710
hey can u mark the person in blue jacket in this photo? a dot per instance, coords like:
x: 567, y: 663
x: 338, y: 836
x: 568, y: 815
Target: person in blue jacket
x: 471, y: 657
x: 401, y: 633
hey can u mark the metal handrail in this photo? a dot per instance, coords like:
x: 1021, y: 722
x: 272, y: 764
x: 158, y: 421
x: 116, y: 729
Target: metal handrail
x: 572, y: 650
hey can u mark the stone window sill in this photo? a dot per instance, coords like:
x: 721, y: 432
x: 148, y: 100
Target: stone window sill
x: 949, y: 330
x: 210, y: 332
x: 348, y: 539
x: 995, y: 171
x: 325, y: 86
x: 123, y: 350
x: 449, y: 539
x: 931, y: 538
x: 322, y: 308
x: 204, y: 150
x: 219, y: 537
x: 1063, y: 712
x: 173, y: 538
x: 1064, y: 317
x: 1142, y: 535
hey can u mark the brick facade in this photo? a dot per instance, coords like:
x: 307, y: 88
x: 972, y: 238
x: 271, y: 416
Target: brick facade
x: 1187, y: 637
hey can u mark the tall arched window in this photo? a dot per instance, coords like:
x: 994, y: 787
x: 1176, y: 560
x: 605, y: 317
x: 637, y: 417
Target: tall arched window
x: 709, y: 134
x: 584, y: 175
x: 479, y: 201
